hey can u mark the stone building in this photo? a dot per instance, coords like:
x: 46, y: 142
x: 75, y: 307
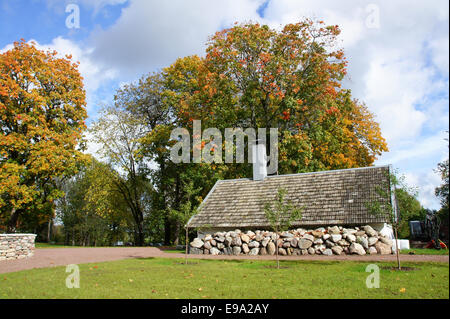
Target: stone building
x: 328, y: 198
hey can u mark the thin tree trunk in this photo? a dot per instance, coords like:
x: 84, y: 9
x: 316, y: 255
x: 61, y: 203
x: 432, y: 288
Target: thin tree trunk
x: 49, y: 230
x: 276, y: 252
x: 177, y: 233
x: 187, y: 241
x: 12, y: 225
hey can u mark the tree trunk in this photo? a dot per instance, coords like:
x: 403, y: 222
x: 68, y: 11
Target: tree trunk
x: 177, y: 233
x: 49, y: 229
x: 167, y: 230
x: 12, y: 225
x: 139, y: 238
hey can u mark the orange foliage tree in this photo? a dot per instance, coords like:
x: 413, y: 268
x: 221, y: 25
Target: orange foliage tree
x: 42, y: 114
x: 255, y: 76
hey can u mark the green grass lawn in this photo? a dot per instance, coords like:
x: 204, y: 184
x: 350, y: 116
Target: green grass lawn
x: 424, y: 251
x: 170, y: 278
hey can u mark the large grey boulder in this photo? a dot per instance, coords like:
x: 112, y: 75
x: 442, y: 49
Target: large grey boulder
x: 245, y: 238
x: 327, y: 252
x: 232, y: 234
x: 259, y: 237
x: 207, y: 245
x: 250, y: 234
x: 356, y: 248
x: 318, y: 241
x: 236, y: 241
x: 214, y: 251
x: 228, y: 241
x: 265, y: 241
x: 271, y: 248
x: 334, y: 230
x: 236, y: 250
x: 219, y: 239
x: 308, y: 237
x: 317, y: 233
x: 254, y: 251
x: 343, y: 243
x: 350, y: 238
x: 197, y: 243
x: 196, y: 251
x: 228, y: 251
x: 372, y: 240
x: 253, y: 244
x: 286, y: 235
x: 370, y: 231
x: 363, y: 241
x: 383, y: 249
x: 245, y: 248
x: 329, y: 243
x: 304, y: 243
x: 336, y: 237
x: 337, y: 250
x: 386, y: 241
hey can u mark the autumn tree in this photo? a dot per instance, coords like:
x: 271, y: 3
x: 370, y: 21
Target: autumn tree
x: 255, y: 76
x: 42, y: 113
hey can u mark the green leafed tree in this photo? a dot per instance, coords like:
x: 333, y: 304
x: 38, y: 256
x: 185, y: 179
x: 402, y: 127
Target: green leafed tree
x: 119, y: 134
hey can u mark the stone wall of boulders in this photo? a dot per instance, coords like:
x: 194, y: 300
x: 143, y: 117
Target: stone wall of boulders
x: 328, y: 241
x: 16, y: 246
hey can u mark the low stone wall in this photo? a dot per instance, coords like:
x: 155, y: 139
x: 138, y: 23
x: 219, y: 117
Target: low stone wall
x: 322, y: 241
x: 16, y: 246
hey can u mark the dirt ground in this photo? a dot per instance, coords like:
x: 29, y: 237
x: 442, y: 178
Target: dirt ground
x: 52, y: 257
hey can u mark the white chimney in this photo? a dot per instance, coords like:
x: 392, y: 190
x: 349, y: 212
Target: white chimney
x: 259, y: 161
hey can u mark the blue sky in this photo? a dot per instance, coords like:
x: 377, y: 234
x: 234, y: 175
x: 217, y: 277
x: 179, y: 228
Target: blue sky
x: 397, y: 50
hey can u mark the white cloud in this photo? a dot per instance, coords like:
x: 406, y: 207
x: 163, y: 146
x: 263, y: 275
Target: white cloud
x: 152, y: 34
x: 426, y: 184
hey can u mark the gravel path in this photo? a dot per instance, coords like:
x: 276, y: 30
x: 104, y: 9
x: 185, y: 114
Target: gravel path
x: 51, y: 257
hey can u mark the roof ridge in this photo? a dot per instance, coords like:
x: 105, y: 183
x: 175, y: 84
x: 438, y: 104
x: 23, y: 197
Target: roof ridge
x: 307, y: 173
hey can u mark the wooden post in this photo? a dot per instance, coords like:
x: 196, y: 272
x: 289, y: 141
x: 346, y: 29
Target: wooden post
x: 187, y: 242
x: 397, y: 248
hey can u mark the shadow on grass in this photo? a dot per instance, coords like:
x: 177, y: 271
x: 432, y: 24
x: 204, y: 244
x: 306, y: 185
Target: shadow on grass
x: 145, y: 258
x: 395, y: 268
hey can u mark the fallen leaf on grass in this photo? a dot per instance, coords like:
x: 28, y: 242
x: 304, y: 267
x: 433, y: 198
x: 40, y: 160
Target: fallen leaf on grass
x: 402, y: 290
x: 130, y: 280
x: 200, y: 289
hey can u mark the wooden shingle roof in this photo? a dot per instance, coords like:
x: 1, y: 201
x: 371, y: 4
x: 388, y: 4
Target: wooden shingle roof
x: 336, y: 197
